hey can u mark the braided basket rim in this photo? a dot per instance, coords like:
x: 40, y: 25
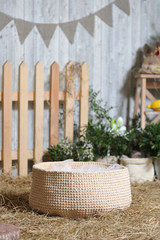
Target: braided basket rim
x: 45, y: 167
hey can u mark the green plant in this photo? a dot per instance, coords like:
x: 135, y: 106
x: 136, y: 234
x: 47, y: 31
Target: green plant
x: 59, y: 152
x: 107, y: 137
x: 134, y: 136
x: 82, y: 151
x: 98, y: 112
x: 98, y: 124
x: 78, y: 151
x: 98, y: 136
x: 150, y: 140
x: 119, y: 145
x: 136, y: 121
x: 103, y: 131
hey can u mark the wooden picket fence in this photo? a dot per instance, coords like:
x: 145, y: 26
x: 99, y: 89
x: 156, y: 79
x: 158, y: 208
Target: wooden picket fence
x: 22, y: 154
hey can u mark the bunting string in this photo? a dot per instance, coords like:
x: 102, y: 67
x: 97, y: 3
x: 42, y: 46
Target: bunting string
x: 69, y: 28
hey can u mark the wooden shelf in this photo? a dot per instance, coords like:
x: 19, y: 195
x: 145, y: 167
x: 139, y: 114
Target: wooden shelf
x: 152, y: 112
x: 144, y: 80
x: 145, y: 75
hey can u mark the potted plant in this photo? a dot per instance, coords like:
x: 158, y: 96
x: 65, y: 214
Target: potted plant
x: 105, y: 133
x: 150, y: 144
x: 98, y: 135
x: 78, y: 151
x: 139, y: 163
x: 96, y: 131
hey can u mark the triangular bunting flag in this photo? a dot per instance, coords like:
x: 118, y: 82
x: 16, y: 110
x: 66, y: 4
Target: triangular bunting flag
x: 4, y: 20
x: 23, y: 28
x: 105, y: 14
x: 88, y: 23
x: 46, y: 31
x: 69, y: 29
x: 123, y: 5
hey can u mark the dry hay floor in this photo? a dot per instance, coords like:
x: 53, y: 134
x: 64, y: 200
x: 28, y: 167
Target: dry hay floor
x: 140, y: 221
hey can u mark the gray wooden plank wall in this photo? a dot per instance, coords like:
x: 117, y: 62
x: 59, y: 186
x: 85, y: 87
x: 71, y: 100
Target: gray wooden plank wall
x: 113, y: 54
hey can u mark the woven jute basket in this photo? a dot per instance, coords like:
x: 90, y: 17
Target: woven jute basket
x: 78, y: 194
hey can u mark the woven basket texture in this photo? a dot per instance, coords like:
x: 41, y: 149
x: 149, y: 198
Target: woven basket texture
x: 77, y: 194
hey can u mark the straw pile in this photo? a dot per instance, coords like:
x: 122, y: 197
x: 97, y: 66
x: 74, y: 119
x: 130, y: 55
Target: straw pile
x: 140, y: 221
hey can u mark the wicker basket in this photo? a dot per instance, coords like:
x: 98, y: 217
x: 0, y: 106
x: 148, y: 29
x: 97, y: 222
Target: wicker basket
x: 75, y: 194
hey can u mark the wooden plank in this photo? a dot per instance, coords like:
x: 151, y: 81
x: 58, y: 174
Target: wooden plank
x: 150, y: 96
x: 142, y: 75
x: 152, y: 112
x: 23, y: 120
x: 14, y: 154
x: 38, y: 112
x: 54, y: 104
x: 153, y: 85
x: 46, y: 96
x: 137, y: 96
x: 143, y: 102
x: 69, y: 101
x: 84, y: 93
x: 156, y: 119
x: 7, y: 118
